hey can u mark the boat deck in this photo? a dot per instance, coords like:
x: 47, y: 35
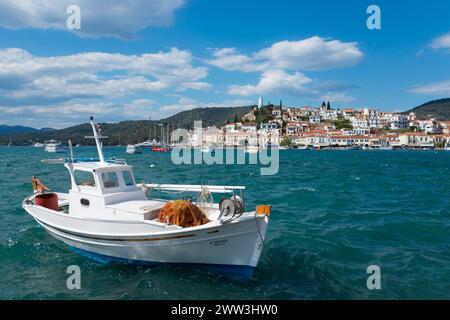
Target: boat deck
x: 148, y: 209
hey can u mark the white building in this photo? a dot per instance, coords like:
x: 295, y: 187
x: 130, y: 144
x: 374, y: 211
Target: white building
x: 416, y: 140
x: 398, y: 121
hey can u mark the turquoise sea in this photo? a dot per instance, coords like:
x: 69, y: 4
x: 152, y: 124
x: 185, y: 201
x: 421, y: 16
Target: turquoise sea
x: 334, y: 214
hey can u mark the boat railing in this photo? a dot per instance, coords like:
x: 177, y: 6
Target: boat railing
x: 193, y: 188
x: 63, y: 160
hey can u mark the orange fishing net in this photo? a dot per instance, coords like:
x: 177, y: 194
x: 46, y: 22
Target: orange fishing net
x: 182, y: 213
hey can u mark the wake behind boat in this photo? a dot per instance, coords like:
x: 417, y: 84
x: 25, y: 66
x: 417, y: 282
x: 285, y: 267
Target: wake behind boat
x: 107, y: 215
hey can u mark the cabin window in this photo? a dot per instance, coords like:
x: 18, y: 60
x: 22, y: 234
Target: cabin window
x: 128, y: 178
x: 84, y: 178
x: 110, y: 180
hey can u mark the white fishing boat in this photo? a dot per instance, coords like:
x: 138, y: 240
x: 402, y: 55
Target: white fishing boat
x: 134, y: 149
x: 38, y: 145
x: 107, y: 216
x: 54, y: 146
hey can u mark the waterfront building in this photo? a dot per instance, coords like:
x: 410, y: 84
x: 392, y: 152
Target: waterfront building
x: 416, y: 140
x: 213, y: 136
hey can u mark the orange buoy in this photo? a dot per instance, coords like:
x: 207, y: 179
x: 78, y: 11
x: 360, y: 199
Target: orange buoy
x: 264, y: 209
x: 47, y: 200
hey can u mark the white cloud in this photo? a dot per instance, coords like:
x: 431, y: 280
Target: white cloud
x: 275, y: 81
x: 139, y: 109
x: 116, y: 18
x: 438, y: 88
x: 195, y: 86
x: 335, y: 97
x: 25, y: 78
x: 442, y: 42
x: 230, y: 59
x: 314, y: 53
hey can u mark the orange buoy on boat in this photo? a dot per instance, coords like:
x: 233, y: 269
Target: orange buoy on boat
x: 182, y: 213
x: 264, y: 209
x: 47, y: 200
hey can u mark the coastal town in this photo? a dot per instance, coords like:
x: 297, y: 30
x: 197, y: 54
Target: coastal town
x: 325, y: 127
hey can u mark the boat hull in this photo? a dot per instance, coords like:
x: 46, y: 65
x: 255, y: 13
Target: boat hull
x: 232, y: 248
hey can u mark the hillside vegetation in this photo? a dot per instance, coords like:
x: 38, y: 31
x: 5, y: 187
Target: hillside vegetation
x: 440, y: 109
x: 131, y: 132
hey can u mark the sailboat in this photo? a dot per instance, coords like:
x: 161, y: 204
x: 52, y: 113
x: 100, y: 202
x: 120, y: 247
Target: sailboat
x: 107, y: 216
x: 10, y: 141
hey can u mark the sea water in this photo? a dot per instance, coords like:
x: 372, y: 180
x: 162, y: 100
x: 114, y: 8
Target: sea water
x: 335, y: 213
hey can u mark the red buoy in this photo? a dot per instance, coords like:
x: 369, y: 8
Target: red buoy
x: 48, y: 200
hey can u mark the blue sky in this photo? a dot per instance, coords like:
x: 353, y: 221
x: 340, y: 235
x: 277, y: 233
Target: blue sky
x: 140, y: 59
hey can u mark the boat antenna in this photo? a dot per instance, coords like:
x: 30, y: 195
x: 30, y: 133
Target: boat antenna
x: 97, y: 129
x: 71, y: 150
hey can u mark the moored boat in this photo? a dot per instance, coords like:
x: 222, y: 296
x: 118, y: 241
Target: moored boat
x: 54, y: 146
x: 108, y: 216
x: 160, y: 149
x: 134, y: 149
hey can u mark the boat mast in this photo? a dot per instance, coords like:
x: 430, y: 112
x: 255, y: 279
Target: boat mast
x: 97, y: 140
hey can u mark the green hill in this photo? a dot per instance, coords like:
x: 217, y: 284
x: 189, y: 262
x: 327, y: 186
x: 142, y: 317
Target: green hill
x: 440, y: 109
x: 127, y: 132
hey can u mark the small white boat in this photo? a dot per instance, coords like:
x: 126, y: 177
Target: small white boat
x: 148, y: 144
x: 106, y: 216
x: 134, y: 149
x: 54, y: 146
x: 447, y: 148
x: 38, y: 145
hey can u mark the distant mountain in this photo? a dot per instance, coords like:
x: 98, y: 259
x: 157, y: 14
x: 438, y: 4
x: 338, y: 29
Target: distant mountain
x: 440, y: 109
x: 127, y: 132
x: 4, y: 129
x: 209, y: 116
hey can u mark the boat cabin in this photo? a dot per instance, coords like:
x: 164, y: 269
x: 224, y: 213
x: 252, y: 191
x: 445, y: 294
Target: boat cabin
x: 97, y: 185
